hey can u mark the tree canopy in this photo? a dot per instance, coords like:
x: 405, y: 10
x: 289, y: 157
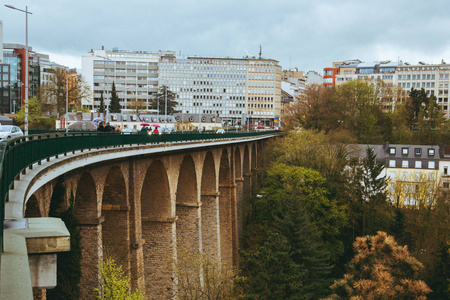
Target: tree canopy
x: 52, y: 94
x: 165, y: 95
x: 381, y: 269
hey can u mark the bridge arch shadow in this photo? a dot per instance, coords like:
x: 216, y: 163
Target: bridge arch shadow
x: 86, y: 211
x: 115, y: 211
x: 158, y: 229
x: 210, y: 209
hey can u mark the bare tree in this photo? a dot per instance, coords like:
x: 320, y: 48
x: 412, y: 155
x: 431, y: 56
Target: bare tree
x: 52, y: 94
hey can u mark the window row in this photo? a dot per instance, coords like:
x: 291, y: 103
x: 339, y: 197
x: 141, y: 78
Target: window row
x: 405, y: 151
x: 417, y: 164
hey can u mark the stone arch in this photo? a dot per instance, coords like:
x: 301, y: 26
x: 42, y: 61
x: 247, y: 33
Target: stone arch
x: 210, y: 209
x: 246, y: 162
x: 187, y: 208
x: 58, y: 201
x: 158, y: 230
x: 32, y: 208
x: 86, y: 211
x: 227, y: 211
x: 115, y: 212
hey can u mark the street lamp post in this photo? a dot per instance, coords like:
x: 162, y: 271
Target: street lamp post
x: 26, y: 61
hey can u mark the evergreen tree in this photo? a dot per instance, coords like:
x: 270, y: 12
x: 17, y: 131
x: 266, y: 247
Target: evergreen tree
x: 114, y: 106
x: 159, y: 102
x: 381, y: 269
x: 271, y: 273
x: 102, y: 108
x: 372, y: 184
x: 307, y: 249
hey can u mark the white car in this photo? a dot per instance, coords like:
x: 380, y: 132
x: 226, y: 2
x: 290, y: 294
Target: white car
x: 221, y: 131
x: 9, y: 131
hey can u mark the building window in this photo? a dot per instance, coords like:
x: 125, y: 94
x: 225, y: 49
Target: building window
x: 445, y: 170
x: 391, y: 150
x: 418, y: 164
x: 431, y: 152
x: 431, y: 165
x: 405, y: 151
x: 405, y: 164
x: 418, y: 151
x: 392, y: 164
x: 446, y: 185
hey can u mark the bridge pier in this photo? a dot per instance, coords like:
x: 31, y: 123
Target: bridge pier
x: 159, y: 255
x: 211, y: 225
x: 228, y: 226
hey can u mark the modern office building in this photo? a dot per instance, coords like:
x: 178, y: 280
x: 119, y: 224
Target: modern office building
x: 134, y: 73
x: 236, y: 90
x: 13, y: 69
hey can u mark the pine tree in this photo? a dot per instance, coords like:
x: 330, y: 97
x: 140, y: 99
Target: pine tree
x: 306, y: 247
x: 381, y: 269
x: 114, y: 106
x: 270, y: 271
x: 102, y: 108
x: 159, y: 102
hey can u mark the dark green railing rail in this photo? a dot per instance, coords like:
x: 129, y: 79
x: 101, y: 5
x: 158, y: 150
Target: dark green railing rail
x: 19, y: 154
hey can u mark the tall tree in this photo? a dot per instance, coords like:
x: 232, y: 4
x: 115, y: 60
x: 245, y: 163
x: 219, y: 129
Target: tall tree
x: 270, y: 271
x: 34, y: 112
x: 114, y: 105
x: 102, y: 108
x: 163, y: 97
x: 307, y: 249
x: 52, y: 95
x: 370, y: 185
x: 381, y: 269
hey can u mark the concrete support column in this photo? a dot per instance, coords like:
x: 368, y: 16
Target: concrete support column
x: 91, y: 256
x: 211, y: 225
x: 228, y: 224
x: 159, y: 253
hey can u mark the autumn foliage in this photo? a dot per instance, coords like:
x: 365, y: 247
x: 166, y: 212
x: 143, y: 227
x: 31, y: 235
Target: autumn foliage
x: 381, y: 269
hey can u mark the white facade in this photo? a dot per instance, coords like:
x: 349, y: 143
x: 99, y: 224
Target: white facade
x: 236, y: 90
x: 134, y: 73
x: 434, y: 79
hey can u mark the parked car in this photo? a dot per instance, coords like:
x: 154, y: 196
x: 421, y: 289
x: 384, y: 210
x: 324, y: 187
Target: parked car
x: 129, y: 131
x: 9, y: 131
x: 220, y: 131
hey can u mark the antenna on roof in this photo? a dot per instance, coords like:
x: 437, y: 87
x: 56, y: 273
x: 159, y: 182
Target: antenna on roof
x: 260, y: 51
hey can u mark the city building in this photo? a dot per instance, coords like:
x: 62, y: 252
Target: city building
x: 433, y: 78
x: 134, y: 73
x: 415, y: 173
x: 12, y: 75
x: 239, y: 91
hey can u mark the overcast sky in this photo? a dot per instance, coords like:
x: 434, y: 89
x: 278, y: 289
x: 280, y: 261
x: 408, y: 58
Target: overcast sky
x: 306, y: 34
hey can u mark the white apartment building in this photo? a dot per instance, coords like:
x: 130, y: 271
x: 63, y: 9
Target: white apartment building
x: 134, y: 73
x: 434, y: 79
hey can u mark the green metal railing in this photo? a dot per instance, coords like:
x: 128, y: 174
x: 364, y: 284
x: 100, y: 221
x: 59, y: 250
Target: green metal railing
x: 19, y: 154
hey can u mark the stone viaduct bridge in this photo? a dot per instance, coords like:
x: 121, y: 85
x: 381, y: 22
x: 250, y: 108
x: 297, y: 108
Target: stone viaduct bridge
x: 136, y: 201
